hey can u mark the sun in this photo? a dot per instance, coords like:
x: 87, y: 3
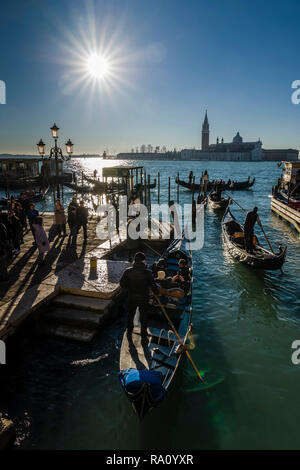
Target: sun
x: 97, y: 66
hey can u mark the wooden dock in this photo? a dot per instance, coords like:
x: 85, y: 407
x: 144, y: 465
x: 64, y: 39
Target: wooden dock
x: 286, y: 212
x: 30, y: 285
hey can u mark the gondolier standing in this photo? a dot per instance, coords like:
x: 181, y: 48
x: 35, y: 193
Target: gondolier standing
x: 137, y: 281
x: 250, y: 220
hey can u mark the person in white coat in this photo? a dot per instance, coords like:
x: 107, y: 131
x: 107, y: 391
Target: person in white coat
x: 41, y: 239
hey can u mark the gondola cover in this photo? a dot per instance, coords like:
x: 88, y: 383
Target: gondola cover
x: 133, y: 381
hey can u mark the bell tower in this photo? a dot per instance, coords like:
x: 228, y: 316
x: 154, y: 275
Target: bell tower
x: 205, y: 133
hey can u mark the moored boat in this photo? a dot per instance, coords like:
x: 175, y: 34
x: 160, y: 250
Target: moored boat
x: 217, y: 204
x: 285, y: 198
x: 229, y: 186
x: 146, y: 372
x: 233, y: 238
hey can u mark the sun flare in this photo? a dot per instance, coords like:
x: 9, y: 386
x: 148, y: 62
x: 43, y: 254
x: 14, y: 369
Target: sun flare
x: 97, y: 66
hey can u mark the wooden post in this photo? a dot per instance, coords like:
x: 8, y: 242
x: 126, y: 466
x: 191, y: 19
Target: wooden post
x: 149, y: 196
x: 169, y: 190
x: 145, y: 188
x: 178, y: 189
x: 158, y: 187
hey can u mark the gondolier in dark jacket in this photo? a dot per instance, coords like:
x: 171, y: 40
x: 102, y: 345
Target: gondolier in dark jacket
x: 137, y: 281
x: 250, y: 220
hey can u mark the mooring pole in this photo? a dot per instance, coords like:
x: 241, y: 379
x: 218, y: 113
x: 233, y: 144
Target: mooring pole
x: 169, y: 189
x: 158, y: 188
x: 177, y: 189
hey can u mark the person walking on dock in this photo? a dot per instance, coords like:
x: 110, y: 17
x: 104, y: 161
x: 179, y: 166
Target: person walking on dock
x: 60, y: 218
x: 41, y: 239
x: 32, y: 213
x: 250, y: 220
x: 72, y: 221
x: 137, y: 281
x: 82, y: 219
x: 73, y: 205
x: 23, y: 201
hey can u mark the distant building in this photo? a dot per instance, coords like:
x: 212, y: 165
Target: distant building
x: 205, y: 133
x: 278, y: 155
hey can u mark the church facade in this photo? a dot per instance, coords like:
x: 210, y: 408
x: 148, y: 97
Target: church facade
x: 237, y: 150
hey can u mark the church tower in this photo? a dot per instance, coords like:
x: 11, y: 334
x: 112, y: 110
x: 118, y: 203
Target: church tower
x: 205, y: 133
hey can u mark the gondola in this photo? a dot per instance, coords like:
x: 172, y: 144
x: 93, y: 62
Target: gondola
x: 140, y: 186
x: 219, y: 205
x: 146, y: 373
x: 232, y: 232
x: 233, y: 186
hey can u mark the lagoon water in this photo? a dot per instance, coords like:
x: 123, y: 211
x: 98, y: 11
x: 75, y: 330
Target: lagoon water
x: 67, y: 396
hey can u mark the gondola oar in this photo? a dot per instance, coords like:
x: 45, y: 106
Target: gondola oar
x: 244, y: 210
x: 179, y: 339
x: 265, y: 235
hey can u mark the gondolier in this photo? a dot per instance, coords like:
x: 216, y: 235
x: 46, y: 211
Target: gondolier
x: 250, y: 220
x: 137, y: 281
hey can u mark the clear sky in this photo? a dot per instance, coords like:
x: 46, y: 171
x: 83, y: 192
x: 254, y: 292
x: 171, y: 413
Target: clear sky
x: 167, y: 62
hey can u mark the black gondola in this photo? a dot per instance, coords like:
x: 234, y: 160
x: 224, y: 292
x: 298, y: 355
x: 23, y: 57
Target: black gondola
x: 233, y: 238
x: 217, y: 204
x: 232, y: 186
x: 146, y: 373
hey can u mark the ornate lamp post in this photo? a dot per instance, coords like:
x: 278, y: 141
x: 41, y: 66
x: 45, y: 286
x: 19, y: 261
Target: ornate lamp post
x: 56, y: 152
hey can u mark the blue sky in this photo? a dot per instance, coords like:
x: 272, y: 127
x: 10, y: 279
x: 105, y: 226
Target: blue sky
x: 171, y: 60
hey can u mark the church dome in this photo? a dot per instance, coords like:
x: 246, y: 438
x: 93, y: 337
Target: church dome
x: 237, y: 139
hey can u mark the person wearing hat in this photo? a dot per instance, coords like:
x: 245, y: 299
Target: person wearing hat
x: 137, y: 281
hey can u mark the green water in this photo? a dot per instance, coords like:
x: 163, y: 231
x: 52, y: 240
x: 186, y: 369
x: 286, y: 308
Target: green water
x: 244, y: 320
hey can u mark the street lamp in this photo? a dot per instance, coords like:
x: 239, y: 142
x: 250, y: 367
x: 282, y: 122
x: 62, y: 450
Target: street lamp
x: 69, y: 147
x: 41, y: 147
x: 56, y: 152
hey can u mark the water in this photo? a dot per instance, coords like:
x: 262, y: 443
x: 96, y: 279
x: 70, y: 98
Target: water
x: 64, y: 395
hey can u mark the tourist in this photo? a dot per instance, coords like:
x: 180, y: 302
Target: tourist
x: 137, y: 281
x: 160, y: 265
x: 23, y: 201
x: 14, y: 231
x: 32, y: 213
x: 72, y: 221
x: 250, y: 220
x: 134, y: 199
x: 82, y: 219
x: 182, y: 278
x: 73, y: 205
x: 60, y: 218
x: 41, y: 239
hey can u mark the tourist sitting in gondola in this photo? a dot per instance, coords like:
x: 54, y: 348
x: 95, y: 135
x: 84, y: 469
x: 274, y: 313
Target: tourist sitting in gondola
x: 250, y: 220
x: 183, y: 277
x: 160, y: 265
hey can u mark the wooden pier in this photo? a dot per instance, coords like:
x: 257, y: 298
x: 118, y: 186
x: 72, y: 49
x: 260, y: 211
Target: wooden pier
x: 30, y: 284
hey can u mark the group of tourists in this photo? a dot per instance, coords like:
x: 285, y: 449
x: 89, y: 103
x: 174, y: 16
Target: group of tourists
x: 21, y: 216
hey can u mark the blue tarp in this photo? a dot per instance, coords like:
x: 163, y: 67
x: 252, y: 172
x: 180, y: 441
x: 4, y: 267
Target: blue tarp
x: 133, y: 380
